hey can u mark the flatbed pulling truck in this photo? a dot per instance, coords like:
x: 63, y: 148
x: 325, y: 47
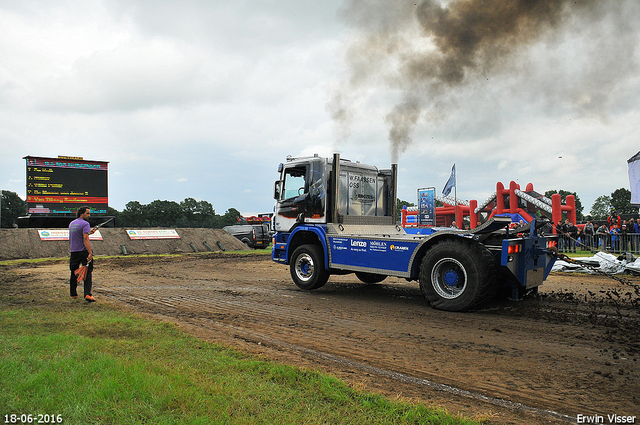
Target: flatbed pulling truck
x: 334, y: 216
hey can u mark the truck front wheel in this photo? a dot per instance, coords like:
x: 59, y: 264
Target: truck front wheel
x: 307, y: 267
x: 457, y: 274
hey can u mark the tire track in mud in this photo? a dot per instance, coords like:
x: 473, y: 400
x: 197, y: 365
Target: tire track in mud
x: 170, y: 303
x: 293, y: 323
x: 204, y: 303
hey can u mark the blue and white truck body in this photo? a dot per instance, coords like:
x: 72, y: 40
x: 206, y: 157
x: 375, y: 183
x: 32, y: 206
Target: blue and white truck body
x: 334, y: 216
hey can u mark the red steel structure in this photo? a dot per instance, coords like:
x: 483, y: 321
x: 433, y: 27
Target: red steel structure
x: 511, y: 200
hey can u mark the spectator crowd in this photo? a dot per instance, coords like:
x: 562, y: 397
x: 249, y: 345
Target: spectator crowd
x: 616, y: 235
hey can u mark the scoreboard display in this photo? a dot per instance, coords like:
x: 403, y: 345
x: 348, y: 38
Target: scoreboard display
x: 62, y: 185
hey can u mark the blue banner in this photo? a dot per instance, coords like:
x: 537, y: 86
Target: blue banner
x: 426, y: 207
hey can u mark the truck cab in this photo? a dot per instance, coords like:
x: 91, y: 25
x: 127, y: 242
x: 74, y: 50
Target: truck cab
x: 310, y: 191
x: 300, y: 194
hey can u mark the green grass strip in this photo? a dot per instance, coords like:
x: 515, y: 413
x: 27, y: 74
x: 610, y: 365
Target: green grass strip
x: 90, y: 363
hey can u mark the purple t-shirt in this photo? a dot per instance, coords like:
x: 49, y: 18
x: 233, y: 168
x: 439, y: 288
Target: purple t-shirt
x: 77, y: 229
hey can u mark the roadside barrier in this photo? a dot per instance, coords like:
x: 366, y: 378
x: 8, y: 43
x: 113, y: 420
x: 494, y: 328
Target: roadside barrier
x: 618, y: 243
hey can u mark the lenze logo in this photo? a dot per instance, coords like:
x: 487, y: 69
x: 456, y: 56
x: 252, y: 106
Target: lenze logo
x: 361, y: 244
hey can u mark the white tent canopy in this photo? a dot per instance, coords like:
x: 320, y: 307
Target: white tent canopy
x: 602, y: 262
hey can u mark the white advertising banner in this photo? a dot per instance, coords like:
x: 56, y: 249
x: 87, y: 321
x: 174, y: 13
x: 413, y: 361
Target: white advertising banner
x: 153, y: 234
x: 634, y: 178
x: 63, y: 235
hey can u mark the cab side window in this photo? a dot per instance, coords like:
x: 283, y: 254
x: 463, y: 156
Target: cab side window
x: 295, y: 182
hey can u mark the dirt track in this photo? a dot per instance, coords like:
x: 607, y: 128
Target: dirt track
x: 572, y: 350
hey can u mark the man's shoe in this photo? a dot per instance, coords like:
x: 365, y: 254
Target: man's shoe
x: 74, y: 296
x: 89, y: 298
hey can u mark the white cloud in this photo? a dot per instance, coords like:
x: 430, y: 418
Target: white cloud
x: 216, y: 94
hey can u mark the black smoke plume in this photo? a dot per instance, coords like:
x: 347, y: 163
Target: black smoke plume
x: 423, y: 51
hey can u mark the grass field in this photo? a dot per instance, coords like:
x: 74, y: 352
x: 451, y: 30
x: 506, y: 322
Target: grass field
x: 94, y: 364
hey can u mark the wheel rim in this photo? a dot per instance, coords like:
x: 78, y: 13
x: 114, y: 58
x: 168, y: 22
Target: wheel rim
x: 449, y: 278
x: 304, y: 267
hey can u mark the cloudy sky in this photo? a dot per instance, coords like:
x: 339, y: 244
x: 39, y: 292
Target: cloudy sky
x: 203, y: 98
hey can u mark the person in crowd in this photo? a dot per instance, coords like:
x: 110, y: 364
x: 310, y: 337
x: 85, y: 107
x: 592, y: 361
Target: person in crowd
x: 560, y: 232
x: 603, y: 236
x: 613, y: 218
x: 572, y: 231
x: 589, y: 231
x: 615, y: 238
x: 630, y: 234
x: 624, y: 237
x: 565, y: 236
x: 636, y: 234
x: 581, y: 244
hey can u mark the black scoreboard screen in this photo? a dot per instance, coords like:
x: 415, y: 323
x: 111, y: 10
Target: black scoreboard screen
x: 62, y: 185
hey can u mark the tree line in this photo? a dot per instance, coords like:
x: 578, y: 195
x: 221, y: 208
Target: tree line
x: 193, y: 213
x: 619, y: 199
x: 188, y: 213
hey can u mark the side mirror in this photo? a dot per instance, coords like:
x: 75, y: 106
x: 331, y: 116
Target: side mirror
x: 276, y: 189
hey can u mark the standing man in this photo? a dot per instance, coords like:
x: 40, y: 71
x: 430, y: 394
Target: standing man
x: 615, y: 238
x: 603, y: 236
x: 81, y: 253
x: 573, y: 231
x: 614, y: 219
x: 562, y: 239
x: 589, y: 231
x: 631, y: 234
x: 624, y: 237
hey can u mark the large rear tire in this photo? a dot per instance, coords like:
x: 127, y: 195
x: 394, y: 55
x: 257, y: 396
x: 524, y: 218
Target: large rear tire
x: 457, y: 274
x: 307, y: 267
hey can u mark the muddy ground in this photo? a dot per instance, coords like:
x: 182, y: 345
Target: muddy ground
x: 574, y: 349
